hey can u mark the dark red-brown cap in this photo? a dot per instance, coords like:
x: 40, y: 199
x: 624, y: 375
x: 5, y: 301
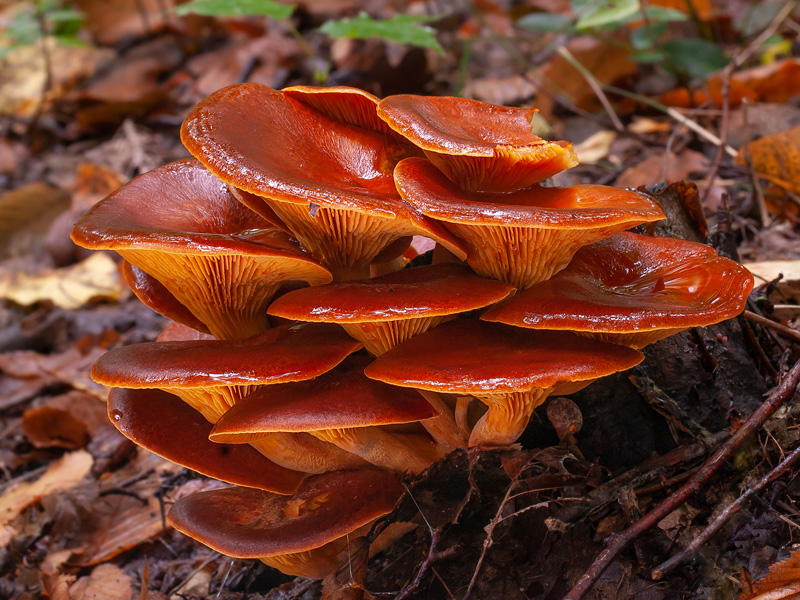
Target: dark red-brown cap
x: 342, y: 103
x: 212, y: 375
x: 526, y: 236
x: 385, y: 311
x: 476, y: 358
x: 248, y: 523
x: 163, y: 424
x: 329, y: 181
x: 479, y: 146
x: 181, y: 225
x: 633, y: 289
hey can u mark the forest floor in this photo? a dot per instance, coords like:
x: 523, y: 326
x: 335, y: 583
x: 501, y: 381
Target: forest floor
x: 82, y: 509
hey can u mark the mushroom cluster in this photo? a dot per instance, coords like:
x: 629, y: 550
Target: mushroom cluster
x: 310, y: 365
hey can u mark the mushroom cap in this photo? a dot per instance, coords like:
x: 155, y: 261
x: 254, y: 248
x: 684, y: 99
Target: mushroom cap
x: 157, y: 297
x: 345, y: 168
x: 632, y: 283
x: 526, y: 236
x: 214, y: 255
x: 432, y: 290
x: 479, y: 146
x: 478, y: 358
x: 181, y: 207
x: 340, y: 399
x: 342, y: 103
x: 248, y: 523
x: 280, y: 355
x: 165, y: 425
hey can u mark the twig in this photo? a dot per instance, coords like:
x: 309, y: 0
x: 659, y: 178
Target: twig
x: 594, y: 84
x: 787, y: 332
x: 431, y: 556
x: 724, y: 516
x: 763, y: 213
x: 617, y: 542
x: 674, y: 114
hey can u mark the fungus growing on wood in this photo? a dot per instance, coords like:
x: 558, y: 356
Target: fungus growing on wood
x: 157, y: 297
x: 342, y: 407
x: 526, y: 236
x: 299, y: 534
x: 335, y: 194
x: 216, y: 257
x: 509, y: 369
x: 170, y: 428
x: 383, y: 312
x: 478, y: 146
x: 634, y: 290
x: 212, y: 375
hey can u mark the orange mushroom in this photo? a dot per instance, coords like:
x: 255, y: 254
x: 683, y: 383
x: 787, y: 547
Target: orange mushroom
x: 216, y: 257
x: 161, y: 423
x: 342, y: 407
x: 509, y: 369
x: 526, y: 236
x: 478, y: 146
x: 330, y: 182
x: 634, y: 290
x: 299, y: 535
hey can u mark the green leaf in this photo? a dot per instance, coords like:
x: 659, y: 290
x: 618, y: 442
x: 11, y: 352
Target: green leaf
x: 659, y: 14
x: 236, y: 8
x: 69, y: 40
x: 545, y: 22
x: 643, y: 38
x: 400, y: 28
x: 604, y: 13
x: 58, y: 16
x: 648, y: 57
x: 697, y: 58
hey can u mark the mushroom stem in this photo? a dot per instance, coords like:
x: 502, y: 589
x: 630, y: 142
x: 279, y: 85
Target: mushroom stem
x: 462, y: 414
x: 395, y: 452
x: 443, y: 429
x: 507, y: 417
x: 390, y: 266
x: 305, y: 453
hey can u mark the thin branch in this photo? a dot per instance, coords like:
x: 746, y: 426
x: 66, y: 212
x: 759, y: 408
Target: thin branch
x: 594, y: 84
x: 787, y: 332
x: 730, y: 510
x: 617, y: 542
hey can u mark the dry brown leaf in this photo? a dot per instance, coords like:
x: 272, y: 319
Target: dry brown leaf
x: 24, y: 74
x: 776, y: 82
x: 510, y: 90
x: 660, y: 167
x: 62, y: 474
x: 71, y: 287
x: 776, y: 158
x: 65, y: 421
x: 782, y: 582
x: 111, y: 22
x: 605, y: 61
x: 94, y: 182
x: 106, y: 582
x: 595, y: 148
x: 56, y: 585
x: 25, y: 215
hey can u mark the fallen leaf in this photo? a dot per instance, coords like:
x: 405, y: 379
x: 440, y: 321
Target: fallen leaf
x: 776, y: 82
x: 111, y: 22
x: 65, y: 421
x: 106, y: 582
x: 24, y: 74
x: 605, y: 61
x: 71, y: 287
x: 776, y: 158
x: 510, y: 90
x: 595, y: 148
x: 56, y: 585
x: 25, y: 215
x: 660, y: 166
x: 62, y: 474
x: 782, y: 582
